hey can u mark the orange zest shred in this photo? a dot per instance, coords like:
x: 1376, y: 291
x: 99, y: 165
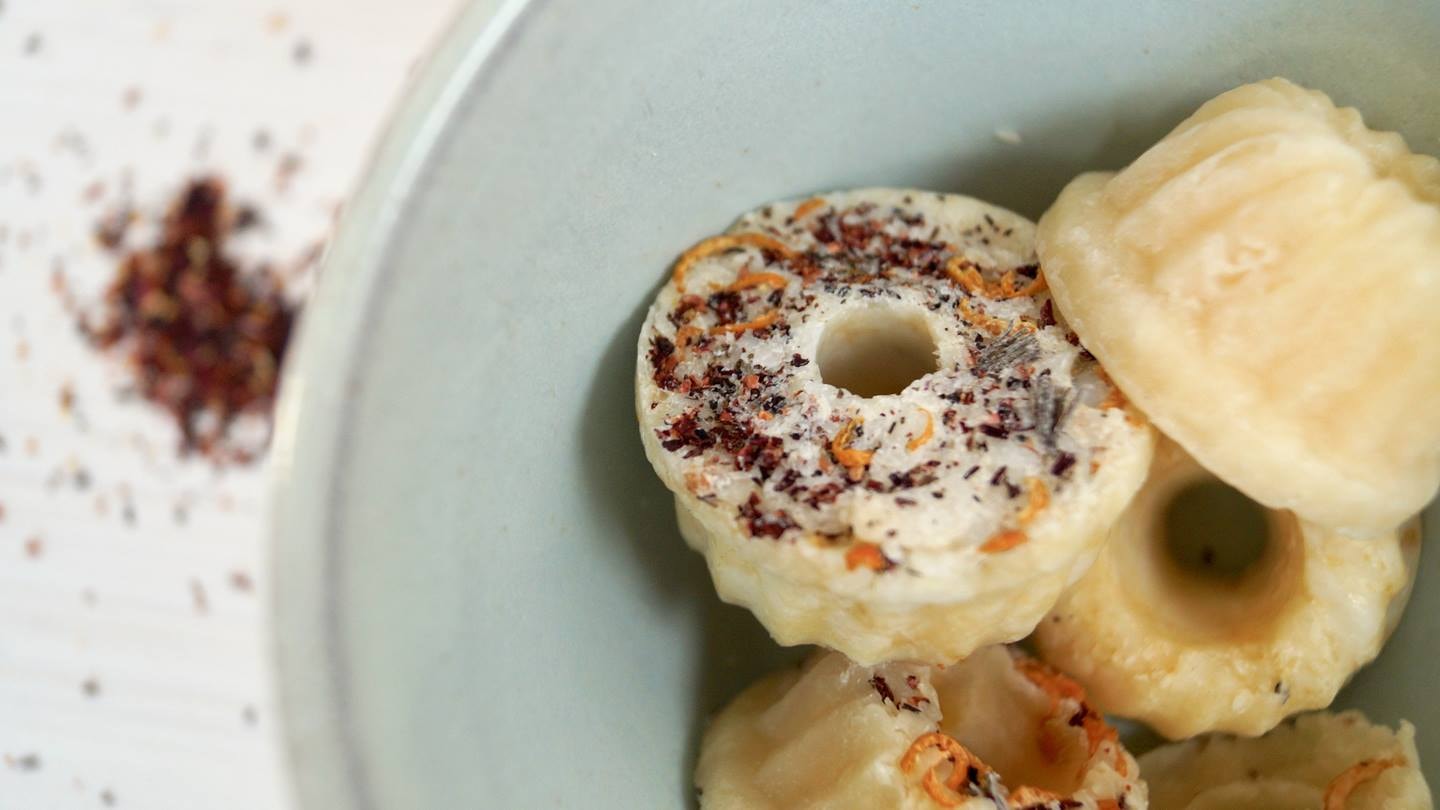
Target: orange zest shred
x: 1027, y: 796
x: 990, y: 324
x: 865, y: 555
x: 768, y: 319
x: 1115, y: 398
x: 1056, y: 687
x: 747, y: 280
x: 947, y: 792
x: 956, y: 754
x: 826, y: 465
x: 1050, y: 748
x: 1039, y: 498
x: 1006, y: 288
x: 853, y: 460
x: 937, y: 791
x: 724, y: 242
x: 1060, y: 687
x: 1108, y: 804
x: 697, y: 482
x: 684, y: 335
x: 1339, y: 789
x: 925, y: 435
x: 1053, y: 683
x: 1003, y: 541
x: 806, y: 207
x: 967, y: 274
x: 964, y: 272
x: 1098, y: 732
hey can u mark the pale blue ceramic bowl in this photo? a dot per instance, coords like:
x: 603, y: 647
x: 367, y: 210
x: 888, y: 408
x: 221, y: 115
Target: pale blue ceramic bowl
x: 482, y: 598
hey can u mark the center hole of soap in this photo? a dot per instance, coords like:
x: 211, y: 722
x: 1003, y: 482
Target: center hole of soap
x: 1213, y: 532
x: 873, y: 351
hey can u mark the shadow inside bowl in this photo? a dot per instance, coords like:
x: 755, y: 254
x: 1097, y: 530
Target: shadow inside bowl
x: 734, y: 649
x: 621, y: 486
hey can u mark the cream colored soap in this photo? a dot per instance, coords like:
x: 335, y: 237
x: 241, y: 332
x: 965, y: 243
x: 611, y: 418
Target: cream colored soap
x: 877, y: 432
x: 998, y: 729
x: 1325, y: 761
x: 1263, y: 283
x: 1189, y: 651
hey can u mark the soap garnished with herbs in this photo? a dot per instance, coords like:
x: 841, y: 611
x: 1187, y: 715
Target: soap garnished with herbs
x: 877, y: 429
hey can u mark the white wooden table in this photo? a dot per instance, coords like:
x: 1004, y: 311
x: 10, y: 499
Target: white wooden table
x: 134, y: 660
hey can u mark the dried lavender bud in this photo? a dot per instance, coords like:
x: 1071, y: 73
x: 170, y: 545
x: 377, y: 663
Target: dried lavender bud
x: 1011, y: 348
x: 1051, y: 409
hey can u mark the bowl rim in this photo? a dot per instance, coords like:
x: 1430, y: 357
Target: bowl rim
x: 320, y: 760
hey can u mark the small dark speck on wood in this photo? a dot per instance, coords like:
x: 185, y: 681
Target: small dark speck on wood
x: 1015, y: 346
x: 241, y: 581
x: 198, y: 597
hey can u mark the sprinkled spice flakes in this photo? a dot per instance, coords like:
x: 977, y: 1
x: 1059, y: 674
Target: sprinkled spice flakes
x: 996, y: 731
x: 970, y: 777
x: 941, y: 513
x: 203, y: 338
x: 735, y: 399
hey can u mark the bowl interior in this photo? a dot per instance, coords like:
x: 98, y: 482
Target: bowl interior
x: 483, y: 596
